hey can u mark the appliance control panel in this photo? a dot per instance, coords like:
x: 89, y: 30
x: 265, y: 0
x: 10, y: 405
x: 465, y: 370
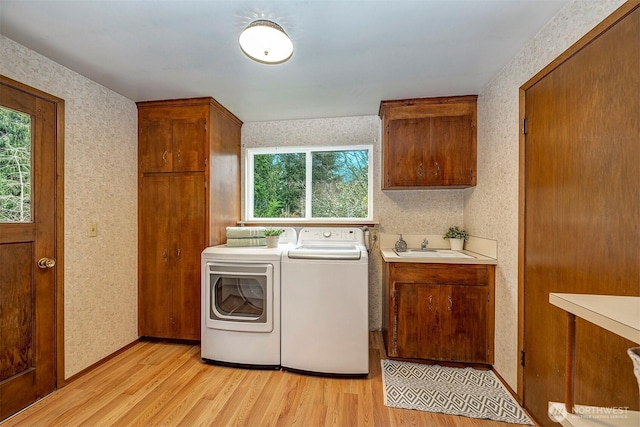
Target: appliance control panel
x: 335, y: 234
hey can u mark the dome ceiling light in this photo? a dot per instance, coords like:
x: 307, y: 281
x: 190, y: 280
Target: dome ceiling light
x: 265, y: 41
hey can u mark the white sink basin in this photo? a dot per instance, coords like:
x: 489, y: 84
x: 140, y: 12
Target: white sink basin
x: 431, y: 253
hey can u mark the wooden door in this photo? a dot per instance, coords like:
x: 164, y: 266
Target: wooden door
x: 189, y: 141
x: 28, y: 127
x: 416, y: 320
x: 405, y: 165
x: 581, y: 223
x: 465, y: 318
x: 188, y: 242
x: 156, y: 256
x: 169, y: 144
x: 451, y: 155
x: 155, y: 144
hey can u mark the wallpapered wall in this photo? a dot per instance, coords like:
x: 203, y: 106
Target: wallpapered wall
x: 491, y: 209
x: 410, y: 212
x: 100, y: 289
x: 100, y: 185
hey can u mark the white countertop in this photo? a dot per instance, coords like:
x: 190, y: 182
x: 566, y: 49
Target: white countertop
x: 388, y: 255
x: 618, y: 314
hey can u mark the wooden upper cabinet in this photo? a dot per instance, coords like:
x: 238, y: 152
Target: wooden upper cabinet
x: 170, y: 142
x: 429, y: 143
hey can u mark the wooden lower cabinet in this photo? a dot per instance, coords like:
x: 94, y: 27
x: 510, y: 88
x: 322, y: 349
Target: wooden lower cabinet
x: 172, y: 233
x: 442, y: 312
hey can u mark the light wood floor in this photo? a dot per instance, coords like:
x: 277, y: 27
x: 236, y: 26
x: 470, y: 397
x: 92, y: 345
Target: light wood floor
x: 160, y: 384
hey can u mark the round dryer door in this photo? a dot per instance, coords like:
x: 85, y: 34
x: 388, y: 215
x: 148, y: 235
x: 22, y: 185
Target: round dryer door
x: 239, y: 297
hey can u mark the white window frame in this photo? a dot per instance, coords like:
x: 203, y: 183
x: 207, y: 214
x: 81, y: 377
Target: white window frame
x: 249, y: 166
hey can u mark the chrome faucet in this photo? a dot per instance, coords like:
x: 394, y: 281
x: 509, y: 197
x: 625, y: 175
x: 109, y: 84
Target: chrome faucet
x: 424, y: 244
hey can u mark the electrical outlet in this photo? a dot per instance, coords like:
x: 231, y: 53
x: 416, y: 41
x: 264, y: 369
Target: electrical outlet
x: 92, y: 229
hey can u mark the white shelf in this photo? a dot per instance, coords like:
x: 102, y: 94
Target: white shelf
x: 593, y: 416
x: 618, y: 314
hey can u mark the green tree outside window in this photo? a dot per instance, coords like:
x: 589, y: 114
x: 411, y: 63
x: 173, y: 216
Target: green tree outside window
x: 15, y: 166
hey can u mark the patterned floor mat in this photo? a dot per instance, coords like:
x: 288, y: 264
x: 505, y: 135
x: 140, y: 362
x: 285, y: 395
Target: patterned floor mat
x: 455, y: 391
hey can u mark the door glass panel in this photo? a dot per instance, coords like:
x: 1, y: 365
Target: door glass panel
x: 15, y: 166
x: 242, y: 297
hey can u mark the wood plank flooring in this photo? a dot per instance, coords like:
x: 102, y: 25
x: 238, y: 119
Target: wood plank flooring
x: 162, y: 384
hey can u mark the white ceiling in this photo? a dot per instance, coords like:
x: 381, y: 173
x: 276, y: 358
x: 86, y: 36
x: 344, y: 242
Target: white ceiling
x: 349, y: 55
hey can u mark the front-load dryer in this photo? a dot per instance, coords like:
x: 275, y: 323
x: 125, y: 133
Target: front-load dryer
x: 241, y: 304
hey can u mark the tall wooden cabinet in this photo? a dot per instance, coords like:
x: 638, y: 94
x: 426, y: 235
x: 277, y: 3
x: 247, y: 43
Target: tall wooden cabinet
x: 429, y: 142
x: 189, y: 192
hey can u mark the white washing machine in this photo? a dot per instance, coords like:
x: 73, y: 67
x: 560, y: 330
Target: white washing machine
x: 325, y: 309
x: 241, y: 304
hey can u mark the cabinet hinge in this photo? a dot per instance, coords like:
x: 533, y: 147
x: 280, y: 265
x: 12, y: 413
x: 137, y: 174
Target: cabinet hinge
x: 522, y: 357
x: 488, y: 297
x: 524, y: 126
x: 205, y: 125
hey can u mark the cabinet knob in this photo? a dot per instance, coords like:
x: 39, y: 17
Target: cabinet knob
x: 164, y: 156
x: 450, y: 304
x: 420, y: 172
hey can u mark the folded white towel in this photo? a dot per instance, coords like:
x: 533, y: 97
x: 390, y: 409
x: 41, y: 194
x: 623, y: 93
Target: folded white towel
x: 247, y: 241
x: 244, y: 232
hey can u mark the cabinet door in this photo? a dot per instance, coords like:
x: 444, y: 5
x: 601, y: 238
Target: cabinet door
x: 404, y: 164
x: 429, y: 143
x: 188, y: 241
x: 464, y: 323
x: 172, y: 144
x: 155, y: 147
x: 188, y: 136
x: 450, y: 157
x: 154, y: 299
x: 415, y: 332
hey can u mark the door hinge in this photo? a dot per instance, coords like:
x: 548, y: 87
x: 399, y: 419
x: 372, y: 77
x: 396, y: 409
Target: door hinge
x: 522, y: 357
x: 524, y: 126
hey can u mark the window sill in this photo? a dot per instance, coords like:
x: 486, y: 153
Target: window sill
x: 302, y: 222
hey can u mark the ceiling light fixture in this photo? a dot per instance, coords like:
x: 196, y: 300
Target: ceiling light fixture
x: 265, y: 41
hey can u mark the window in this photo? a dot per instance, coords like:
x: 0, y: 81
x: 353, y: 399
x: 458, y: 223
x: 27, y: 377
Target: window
x: 15, y: 166
x: 309, y: 183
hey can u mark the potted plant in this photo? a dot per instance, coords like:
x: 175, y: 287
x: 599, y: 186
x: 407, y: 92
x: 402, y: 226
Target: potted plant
x: 456, y: 237
x: 273, y: 235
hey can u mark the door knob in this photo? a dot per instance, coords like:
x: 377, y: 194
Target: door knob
x: 46, y: 263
